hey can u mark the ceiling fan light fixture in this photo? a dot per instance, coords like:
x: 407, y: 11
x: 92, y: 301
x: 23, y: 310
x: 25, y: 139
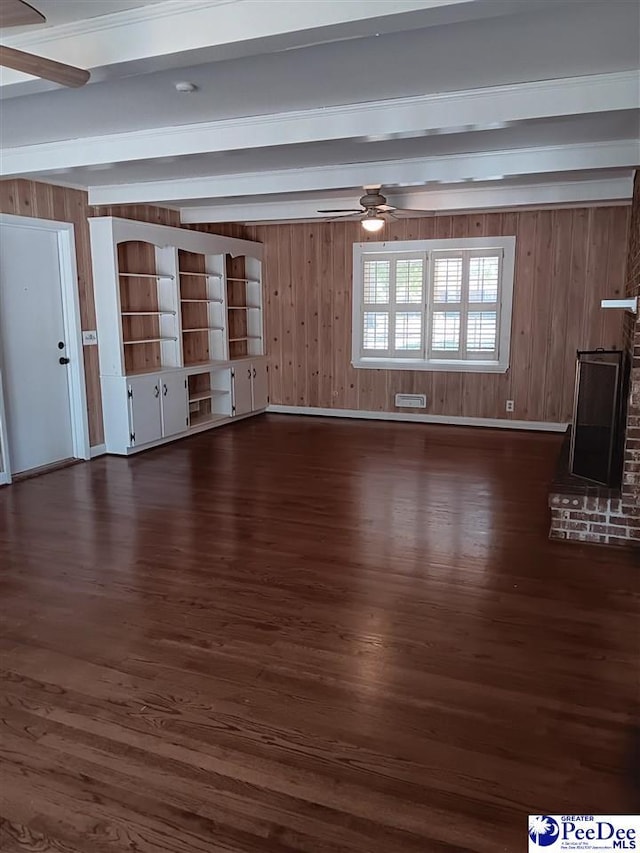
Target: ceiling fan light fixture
x: 373, y: 223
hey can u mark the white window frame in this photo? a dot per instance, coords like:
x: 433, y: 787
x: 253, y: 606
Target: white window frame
x: 427, y: 249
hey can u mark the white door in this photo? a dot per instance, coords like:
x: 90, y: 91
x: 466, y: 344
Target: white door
x: 33, y: 349
x: 242, y: 389
x: 260, y: 385
x: 144, y: 402
x: 175, y: 405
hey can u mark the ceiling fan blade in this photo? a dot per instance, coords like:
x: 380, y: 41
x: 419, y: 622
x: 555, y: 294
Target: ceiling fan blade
x: 342, y: 210
x: 47, y: 69
x: 17, y: 13
x: 345, y: 216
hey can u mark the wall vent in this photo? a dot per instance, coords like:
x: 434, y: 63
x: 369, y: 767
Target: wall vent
x: 411, y: 401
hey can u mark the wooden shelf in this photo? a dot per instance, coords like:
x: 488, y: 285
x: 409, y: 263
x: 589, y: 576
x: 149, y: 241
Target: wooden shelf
x: 243, y: 307
x: 148, y: 313
x: 143, y: 275
x: 206, y: 395
x: 204, y: 329
x: 215, y: 301
x: 201, y: 274
x: 246, y: 338
x: 248, y: 280
x: 147, y: 341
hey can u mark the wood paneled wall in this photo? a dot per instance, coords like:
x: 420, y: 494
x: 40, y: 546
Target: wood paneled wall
x: 566, y: 261
x: 44, y: 201
x: 141, y: 212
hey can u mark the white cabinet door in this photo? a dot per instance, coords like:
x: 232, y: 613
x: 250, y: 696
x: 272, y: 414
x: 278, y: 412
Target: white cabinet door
x: 175, y: 405
x: 242, y: 396
x: 259, y: 378
x: 144, y: 408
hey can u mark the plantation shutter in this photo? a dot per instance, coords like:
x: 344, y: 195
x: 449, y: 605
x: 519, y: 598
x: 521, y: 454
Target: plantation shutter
x: 465, y: 304
x: 393, y: 317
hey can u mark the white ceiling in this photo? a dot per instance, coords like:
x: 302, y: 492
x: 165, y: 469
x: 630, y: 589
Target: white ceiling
x: 521, y: 103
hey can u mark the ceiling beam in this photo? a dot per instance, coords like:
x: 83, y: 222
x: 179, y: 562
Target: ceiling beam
x: 178, y: 33
x: 445, y: 199
x: 471, y: 109
x: 482, y: 166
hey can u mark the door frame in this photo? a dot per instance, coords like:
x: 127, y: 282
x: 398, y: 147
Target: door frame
x: 5, y: 470
x: 73, y: 337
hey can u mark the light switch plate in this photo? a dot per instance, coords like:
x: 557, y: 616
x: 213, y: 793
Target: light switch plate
x: 90, y: 338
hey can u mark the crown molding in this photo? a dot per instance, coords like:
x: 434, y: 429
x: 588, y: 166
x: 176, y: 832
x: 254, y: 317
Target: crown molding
x: 473, y: 108
x: 327, y: 13
x: 115, y: 20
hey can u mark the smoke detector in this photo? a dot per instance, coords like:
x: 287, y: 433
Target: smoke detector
x: 186, y: 88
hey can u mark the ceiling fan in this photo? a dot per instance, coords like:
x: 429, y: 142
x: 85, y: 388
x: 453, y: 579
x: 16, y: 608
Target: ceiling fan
x: 17, y: 13
x: 374, y: 211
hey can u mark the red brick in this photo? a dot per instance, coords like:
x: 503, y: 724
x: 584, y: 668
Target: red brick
x: 576, y: 525
x: 557, y: 534
x: 602, y: 528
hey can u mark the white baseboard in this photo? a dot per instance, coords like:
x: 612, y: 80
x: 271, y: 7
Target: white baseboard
x: 98, y: 450
x: 500, y: 423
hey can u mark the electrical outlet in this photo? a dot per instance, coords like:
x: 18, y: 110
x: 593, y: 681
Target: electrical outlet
x: 90, y: 338
x: 510, y: 405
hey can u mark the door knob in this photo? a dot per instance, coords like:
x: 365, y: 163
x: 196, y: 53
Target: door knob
x: 60, y: 344
x: 64, y: 360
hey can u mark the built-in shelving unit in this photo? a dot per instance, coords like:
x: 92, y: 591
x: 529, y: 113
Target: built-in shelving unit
x: 202, y: 292
x: 176, y: 311
x: 244, y: 307
x: 148, y: 306
x: 210, y: 396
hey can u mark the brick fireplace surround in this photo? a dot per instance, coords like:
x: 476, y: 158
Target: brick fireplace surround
x: 605, y: 516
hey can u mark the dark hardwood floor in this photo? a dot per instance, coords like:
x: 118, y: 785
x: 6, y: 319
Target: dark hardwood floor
x: 297, y: 634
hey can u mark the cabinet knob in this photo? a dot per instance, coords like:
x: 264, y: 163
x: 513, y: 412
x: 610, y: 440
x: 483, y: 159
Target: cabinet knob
x: 156, y: 391
x: 249, y: 373
x: 63, y: 360
x: 254, y: 373
x: 164, y: 390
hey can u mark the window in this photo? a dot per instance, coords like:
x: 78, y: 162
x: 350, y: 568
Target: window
x: 433, y: 304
